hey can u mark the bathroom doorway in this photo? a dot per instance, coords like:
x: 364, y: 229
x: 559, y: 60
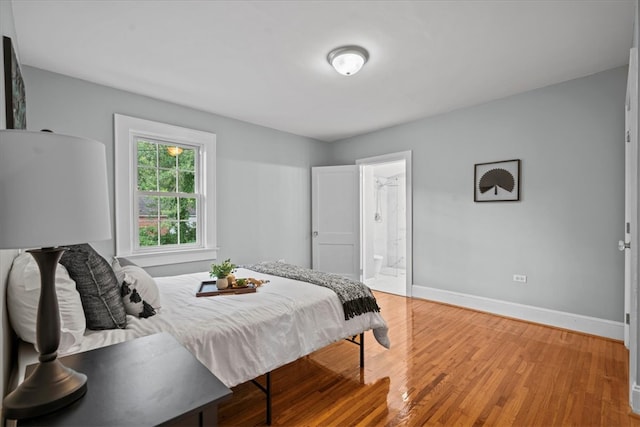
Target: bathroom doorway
x: 385, y: 208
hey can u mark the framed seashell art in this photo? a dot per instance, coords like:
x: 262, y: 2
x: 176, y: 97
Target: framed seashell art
x: 497, y: 181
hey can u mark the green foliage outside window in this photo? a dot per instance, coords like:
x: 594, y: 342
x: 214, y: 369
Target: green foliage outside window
x: 167, y: 206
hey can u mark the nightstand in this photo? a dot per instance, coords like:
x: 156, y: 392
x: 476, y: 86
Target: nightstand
x: 148, y: 381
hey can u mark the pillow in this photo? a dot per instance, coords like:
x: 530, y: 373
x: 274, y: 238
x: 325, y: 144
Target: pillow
x: 140, y: 279
x: 133, y: 302
x: 117, y: 269
x: 117, y: 265
x: 23, y: 295
x: 98, y: 287
x: 124, y: 261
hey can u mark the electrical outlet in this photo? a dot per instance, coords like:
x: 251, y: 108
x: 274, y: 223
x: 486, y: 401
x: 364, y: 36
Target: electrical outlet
x: 520, y: 278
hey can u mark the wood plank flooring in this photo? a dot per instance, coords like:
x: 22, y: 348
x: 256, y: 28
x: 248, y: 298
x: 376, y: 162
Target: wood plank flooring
x: 448, y: 366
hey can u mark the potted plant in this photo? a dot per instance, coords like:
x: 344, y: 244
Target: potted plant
x: 221, y: 271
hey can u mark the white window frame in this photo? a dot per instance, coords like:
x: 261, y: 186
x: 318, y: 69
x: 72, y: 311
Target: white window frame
x: 127, y: 130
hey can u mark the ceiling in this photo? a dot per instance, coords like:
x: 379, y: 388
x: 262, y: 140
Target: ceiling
x: 264, y: 62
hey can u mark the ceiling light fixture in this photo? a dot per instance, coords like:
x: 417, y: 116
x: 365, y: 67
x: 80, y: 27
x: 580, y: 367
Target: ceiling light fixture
x: 174, y: 151
x: 348, y: 60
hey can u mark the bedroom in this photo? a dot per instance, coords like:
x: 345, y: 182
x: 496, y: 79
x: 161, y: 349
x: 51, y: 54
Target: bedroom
x: 562, y: 234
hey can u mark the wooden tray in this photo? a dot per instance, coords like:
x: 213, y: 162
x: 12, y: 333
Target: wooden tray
x: 208, y: 288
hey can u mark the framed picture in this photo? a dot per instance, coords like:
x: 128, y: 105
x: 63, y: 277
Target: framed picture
x: 497, y: 181
x: 14, y: 93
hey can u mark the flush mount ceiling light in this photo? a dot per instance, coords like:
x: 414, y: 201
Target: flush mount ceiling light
x: 174, y: 151
x: 348, y: 60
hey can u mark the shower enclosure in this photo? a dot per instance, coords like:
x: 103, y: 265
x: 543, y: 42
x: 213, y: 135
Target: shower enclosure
x: 384, y: 226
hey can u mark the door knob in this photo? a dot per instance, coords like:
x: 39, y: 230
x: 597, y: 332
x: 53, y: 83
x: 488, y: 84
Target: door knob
x: 315, y: 234
x: 623, y: 245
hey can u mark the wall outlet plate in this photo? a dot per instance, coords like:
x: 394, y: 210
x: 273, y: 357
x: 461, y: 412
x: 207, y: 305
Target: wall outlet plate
x: 520, y: 278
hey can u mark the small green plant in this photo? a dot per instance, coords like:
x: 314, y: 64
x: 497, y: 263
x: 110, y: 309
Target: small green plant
x: 222, y: 270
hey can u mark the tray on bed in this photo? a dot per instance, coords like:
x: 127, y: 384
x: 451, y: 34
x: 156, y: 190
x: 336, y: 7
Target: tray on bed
x: 208, y: 288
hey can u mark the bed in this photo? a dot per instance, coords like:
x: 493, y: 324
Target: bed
x: 237, y: 337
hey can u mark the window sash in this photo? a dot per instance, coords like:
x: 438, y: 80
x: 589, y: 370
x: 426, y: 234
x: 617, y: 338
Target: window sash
x: 139, y: 248
x: 135, y: 206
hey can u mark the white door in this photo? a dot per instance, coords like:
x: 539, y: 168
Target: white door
x: 335, y: 223
x: 629, y: 245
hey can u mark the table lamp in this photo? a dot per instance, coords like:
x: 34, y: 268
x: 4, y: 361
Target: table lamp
x: 53, y: 191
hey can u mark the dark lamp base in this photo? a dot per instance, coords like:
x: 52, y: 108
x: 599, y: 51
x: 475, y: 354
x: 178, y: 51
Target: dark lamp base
x: 50, y: 387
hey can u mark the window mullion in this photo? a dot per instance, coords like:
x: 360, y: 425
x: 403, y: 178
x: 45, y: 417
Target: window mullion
x: 158, y: 227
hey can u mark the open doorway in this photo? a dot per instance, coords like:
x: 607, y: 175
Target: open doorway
x: 385, y: 223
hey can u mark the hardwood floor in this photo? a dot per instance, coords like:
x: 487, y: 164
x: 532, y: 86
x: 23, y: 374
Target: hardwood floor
x: 448, y: 366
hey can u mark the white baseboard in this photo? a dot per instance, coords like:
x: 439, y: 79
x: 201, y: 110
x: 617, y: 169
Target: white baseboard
x: 635, y: 398
x: 545, y: 316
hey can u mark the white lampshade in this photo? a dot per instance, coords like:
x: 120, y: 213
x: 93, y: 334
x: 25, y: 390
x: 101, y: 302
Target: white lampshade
x: 348, y: 60
x: 53, y: 190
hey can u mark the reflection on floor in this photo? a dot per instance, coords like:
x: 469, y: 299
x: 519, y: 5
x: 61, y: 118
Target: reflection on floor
x: 390, y: 280
x: 447, y: 366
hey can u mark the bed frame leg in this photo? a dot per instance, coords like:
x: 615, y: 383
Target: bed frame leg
x: 362, y: 350
x: 268, y: 392
x: 266, y: 389
x: 360, y: 343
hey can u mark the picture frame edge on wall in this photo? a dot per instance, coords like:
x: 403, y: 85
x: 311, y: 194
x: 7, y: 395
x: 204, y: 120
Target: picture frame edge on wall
x: 10, y: 60
x: 494, y: 184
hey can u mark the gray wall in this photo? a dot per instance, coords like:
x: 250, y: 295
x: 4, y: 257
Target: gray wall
x: 563, y: 232
x: 263, y: 176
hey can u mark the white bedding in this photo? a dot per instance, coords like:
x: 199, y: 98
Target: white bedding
x: 239, y: 337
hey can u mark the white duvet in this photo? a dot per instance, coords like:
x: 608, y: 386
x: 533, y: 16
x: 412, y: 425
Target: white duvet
x: 240, y: 337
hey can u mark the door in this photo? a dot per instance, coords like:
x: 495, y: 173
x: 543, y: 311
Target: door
x: 629, y: 245
x: 335, y: 225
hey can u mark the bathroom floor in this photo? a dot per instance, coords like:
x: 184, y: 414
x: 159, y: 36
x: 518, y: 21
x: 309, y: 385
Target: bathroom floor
x: 390, y: 280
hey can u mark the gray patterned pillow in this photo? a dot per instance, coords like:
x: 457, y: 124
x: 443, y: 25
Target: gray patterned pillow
x: 98, y: 287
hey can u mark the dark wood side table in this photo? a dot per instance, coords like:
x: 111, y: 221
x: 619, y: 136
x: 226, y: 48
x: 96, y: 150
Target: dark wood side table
x: 148, y: 381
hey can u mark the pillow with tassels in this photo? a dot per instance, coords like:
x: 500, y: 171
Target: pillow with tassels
x: 133, y: 302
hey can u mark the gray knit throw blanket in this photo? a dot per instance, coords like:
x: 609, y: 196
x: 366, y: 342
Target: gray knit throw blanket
x: 356, y: 298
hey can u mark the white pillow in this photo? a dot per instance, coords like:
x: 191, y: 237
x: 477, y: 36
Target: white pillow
x: 140, y: 279
x: 23, y: 294
x: 134, y: 304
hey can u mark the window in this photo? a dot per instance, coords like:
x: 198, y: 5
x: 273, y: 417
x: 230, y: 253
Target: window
x: 165, y: 192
